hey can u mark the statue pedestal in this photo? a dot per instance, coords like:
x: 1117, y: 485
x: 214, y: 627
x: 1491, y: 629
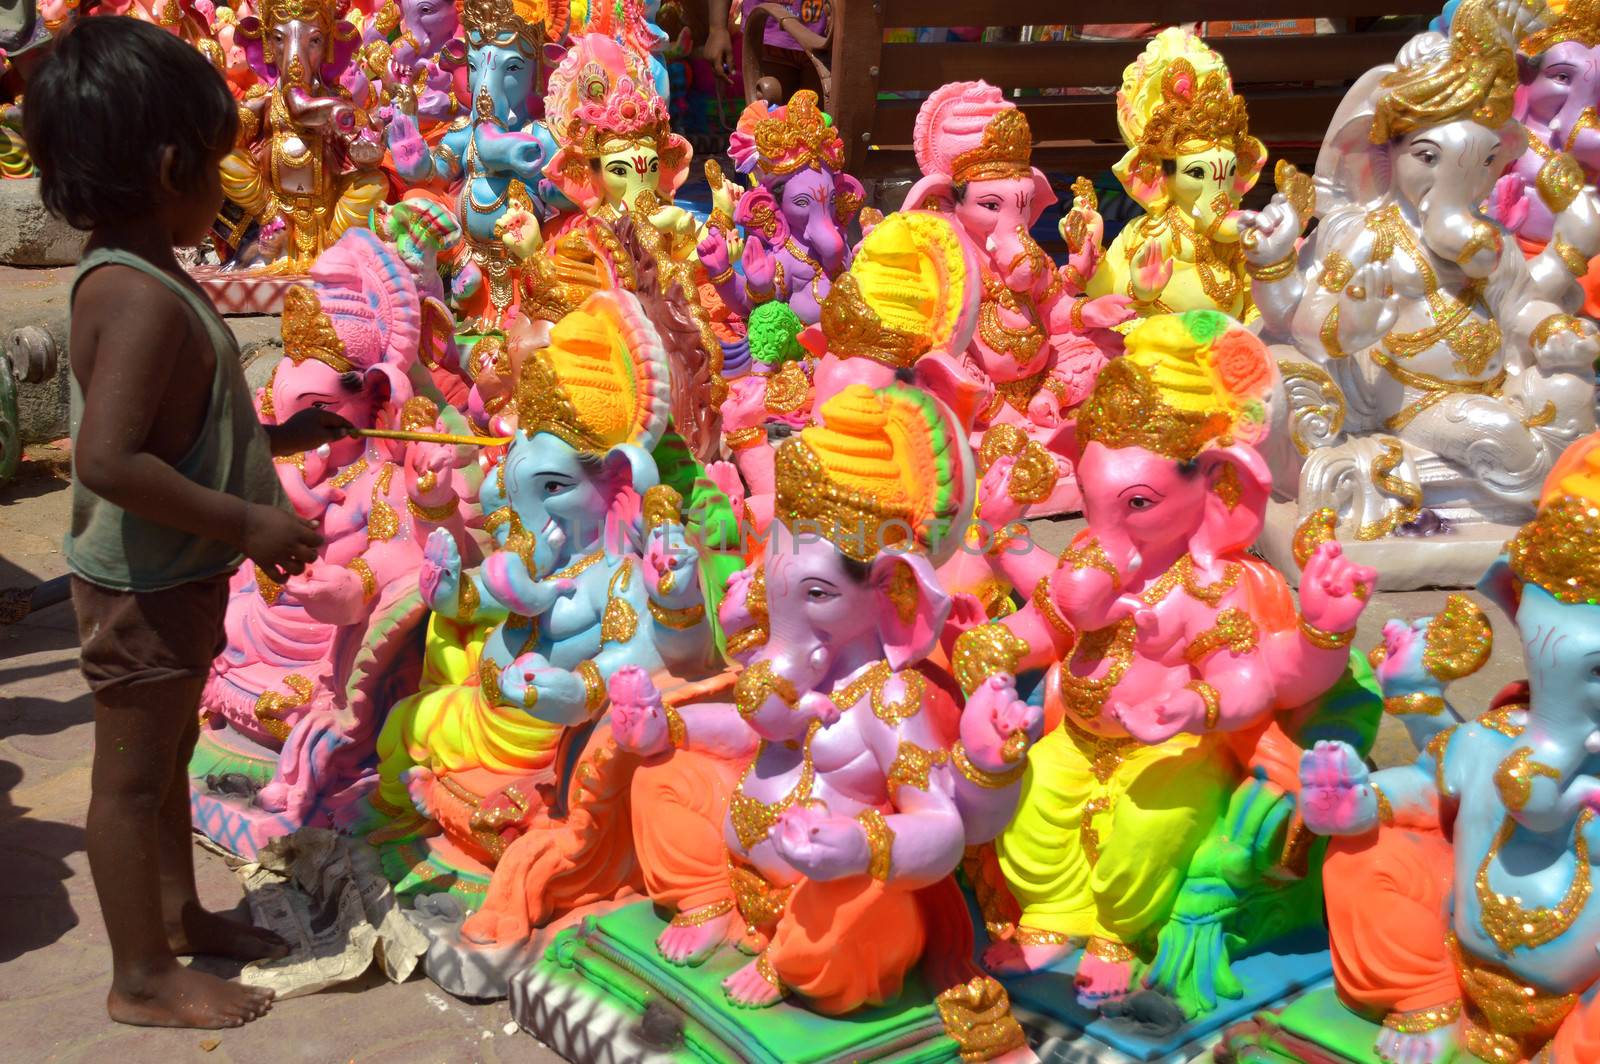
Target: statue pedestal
x: 228, y: 815
x: 601, y: 993
x: 1046, y: 1003
x: 246, y: 291
x: 1404, y: 563
x: 1315, y: 1029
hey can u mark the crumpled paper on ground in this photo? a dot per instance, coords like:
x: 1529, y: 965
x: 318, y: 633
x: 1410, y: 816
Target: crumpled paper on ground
x: 329, y: 899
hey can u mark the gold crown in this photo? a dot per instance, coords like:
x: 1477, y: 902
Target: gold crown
x: 853, y: 328
x: 1006, y: 151
x: 308, y: 332
x: 1580, y: 22
x: 1475, y: 79
x: 847, y: 477
x: 504, y: 22
x: 277, y: 12
x: 1127, y: 409
x: 580, y: 388
x: 802, y: 139
x: 1209, y: 113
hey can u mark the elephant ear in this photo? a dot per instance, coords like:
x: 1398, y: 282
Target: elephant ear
x: 251, y: 37
x: 848, y: 196
x: 1142, y: 175
x: 1236, y: 504
x: 935, y: 192
x: 912, y: 607
x: 1350, y: 168
x: 346, y: 39
x: 758, y: 212
x: 1499, y: 584
x: 1043, y: 196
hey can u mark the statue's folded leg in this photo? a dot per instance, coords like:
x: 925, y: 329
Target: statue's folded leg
x: 244, y: 183
x: 358, y: 194
x: 847, y: 943
x: 1501, y: 461
x: 679, y: 806
x: 1386, y: 918
x: 1041, y: 851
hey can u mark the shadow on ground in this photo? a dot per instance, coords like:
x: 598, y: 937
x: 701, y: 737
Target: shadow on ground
x: 35, y: 908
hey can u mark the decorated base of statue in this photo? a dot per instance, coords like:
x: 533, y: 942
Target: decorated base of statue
x: 1456, y: 558
x: 226, y: 771
x: 601, y: 993
x: 1315, y: 1029
x: 246, y: 291
x: 1150, y: 1026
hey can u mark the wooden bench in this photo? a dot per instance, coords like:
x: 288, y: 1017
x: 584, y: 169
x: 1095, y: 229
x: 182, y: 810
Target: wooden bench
x: 1078, y: 133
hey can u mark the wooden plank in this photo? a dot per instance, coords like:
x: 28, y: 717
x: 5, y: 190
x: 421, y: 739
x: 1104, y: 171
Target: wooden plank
x: 1277, y: 114
x: 853, y: 92
x: 1057, y: 12
x: 923, y: 67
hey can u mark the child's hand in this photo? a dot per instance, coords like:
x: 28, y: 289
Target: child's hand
x: 308, y: 430
x: 279, y: 542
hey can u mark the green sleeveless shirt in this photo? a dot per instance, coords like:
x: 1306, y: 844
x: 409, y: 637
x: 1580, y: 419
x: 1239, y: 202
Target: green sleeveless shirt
x: 112, y: 548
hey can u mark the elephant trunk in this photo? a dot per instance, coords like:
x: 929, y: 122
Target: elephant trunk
x: 1020, y: 261
x: 826, y: 242
x: 1449, y: 232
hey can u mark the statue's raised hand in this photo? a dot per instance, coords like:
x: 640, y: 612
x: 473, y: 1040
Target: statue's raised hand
x: 1152, y: 269
x: 760, y: 268
x: 555, y: 695
x: 997, y: 727
x: 1336, y: 797
x: 997, y: 505
x: 713, y: 253
x: 440, y: 575
x: 1509, y: 203
x: 410, y: 151
x: 669, y: 561
x: 1333, y: 589
x: 820, y: 845
x: 1270, y: 233
x: 638, y: 719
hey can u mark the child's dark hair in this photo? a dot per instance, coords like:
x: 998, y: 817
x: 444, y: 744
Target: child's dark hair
x: 114, y: 94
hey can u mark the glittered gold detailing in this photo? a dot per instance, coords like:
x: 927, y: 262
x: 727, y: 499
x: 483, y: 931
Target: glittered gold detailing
x: 383, y: 524
x: 1083, y: 694
x: 1208, y: 113
x: 1458, y: 640
x: 1552, y: 326
x: 308, y: 331
x: 1559, y: 550
x: 1417, y: 703
x: 1109, y: 951
x: 1324, y: 640
x: 760, y: 903
x: 752, y: 818
x: 662, y: 505
x: 369, y: 582
x: 764, y: 970
x: 1005, y: 152
x: 880, y: 843
x: 594, y: 688
x: 1234, y: 630
x: 1126, y: 409
x: 1505, y: 919
x: 853, y: 328
x: 803, y: 139
x: 619, y: 622
x: 436, y: 514
x: 1182, y: 572
x: 1515, y: 775
x: 1035, y: 936
x: 1088, y: 834
x: 1212, y: 700
x: 467, y: 599
x: 744, y: 439
x: 268, y: 588
x: 1274, y: 271
x: 1091, y: 555
x: 1046, y: 607
x: 754, y: 684
x: 489, y: 681
x: 903, y: 593
x: 859, y: 523
x: 1476, y: 79
x: 910, y: 703
x: 1383, y: 478
x: 1560, y: 181
x: 1436, y: 748
x: 1385, y: 810
x: 582, y: 565
x: 912, y: 766
x: 982, y: 652
x: 704, y: 914
x: 1505, y: 1019
x: 1579, y: 21
x: 1421, y: 1021
x: 1336, y: 272
x: 270, y: 705
x: 678, y: 620
x: 1034, y: 473
x: 1377, y: 655
x: 977, y: 1017
x: 788, y: 389
x: 1314, y: 531
x: 974, y: 774
x: 677, y: 730
x: 347, y: 476
x: 1499, y: 720
x: 744, y: 641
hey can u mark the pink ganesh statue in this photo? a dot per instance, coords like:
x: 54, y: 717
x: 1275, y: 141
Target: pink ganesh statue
x: 293, y: 704
x: 1040, y: 341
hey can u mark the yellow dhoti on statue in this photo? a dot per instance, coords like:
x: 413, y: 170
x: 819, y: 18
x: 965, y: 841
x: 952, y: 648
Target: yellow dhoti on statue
x: 315, y: 219
x: 449, y: 726
x: 1105, y: 829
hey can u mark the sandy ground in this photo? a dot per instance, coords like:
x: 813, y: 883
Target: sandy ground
x: 54, y: 959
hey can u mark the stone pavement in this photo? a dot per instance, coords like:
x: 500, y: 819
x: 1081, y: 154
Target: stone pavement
x: 54, y: 959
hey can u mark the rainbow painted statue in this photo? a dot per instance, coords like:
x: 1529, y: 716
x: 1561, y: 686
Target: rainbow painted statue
x: 294, y: 704
x: 1434, y: 374
x: 1156, y: 828
x: 804, y: 834
x: 1040, y: 340
x: 1459, y: 887
x: 1190, y: 160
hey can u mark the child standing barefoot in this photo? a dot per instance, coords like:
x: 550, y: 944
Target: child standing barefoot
x: 173, y: 484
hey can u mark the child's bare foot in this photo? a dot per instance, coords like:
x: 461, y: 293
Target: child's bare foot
x: 183, y: 997
x: 200, y: 931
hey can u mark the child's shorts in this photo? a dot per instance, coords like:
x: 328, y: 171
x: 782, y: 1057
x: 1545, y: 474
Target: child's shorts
x: 132, y: 638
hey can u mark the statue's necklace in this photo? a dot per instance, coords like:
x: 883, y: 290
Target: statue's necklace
x: 1086, y: 697
x: 1182, y: 572
x: 752, y: 818
x: 800, y: 253
x: 1219, y: 276
x: 1514, y: 927
x: 1021, y: 344
x: 579, y: 566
